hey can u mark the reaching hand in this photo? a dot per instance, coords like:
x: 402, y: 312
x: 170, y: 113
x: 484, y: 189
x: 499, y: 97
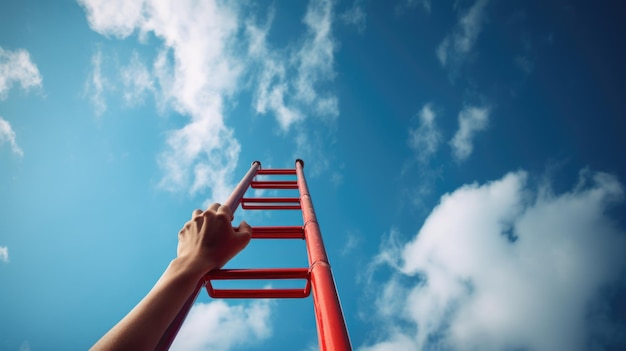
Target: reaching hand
x: 208, y: 240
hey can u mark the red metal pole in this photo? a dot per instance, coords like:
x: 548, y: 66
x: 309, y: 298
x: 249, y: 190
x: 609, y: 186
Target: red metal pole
x: 170, y: 333
x: 237, y: 194
x: 232, y: 202
x: 331, y: 326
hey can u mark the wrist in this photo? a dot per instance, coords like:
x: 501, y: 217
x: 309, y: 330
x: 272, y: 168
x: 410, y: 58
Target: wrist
x: 189, y: 268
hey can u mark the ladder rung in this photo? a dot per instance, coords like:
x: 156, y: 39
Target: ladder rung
x: 274, y: 184
x: 270, y: 207
x: 276, y: 171
x: 274, y: 200
x: 253, y: 203
x: 258, y: 274
x: 279, y: 232
x: 258, y: 293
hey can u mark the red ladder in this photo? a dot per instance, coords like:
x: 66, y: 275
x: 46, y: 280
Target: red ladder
x: 331, y: 328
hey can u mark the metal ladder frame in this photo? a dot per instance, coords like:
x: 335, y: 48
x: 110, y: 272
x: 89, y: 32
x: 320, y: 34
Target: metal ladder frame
x: 331, y: 326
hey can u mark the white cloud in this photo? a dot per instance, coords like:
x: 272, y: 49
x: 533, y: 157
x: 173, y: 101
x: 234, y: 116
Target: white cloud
x: 196, y: 71
x: 313, y: 347
x: 500, y: 266
x: 199, y: 70
x: 96, y: 83
x: 425, y: 138
x: 390, y: 251
x: 352, y: 241
x: 397, y: 342
x: 409, y: 4
x: 316, y: 58
x: 290, y: 82
x: 204, y: 72
x: 310, y: 146
x: 8, y: 135
x: 471, y: 120
x: 4, y: 254
x: 273, y: 89
x: 119, y: 18
x: 17, y: 67
x: 25, y: 346
x: 219, y: 326
x: 202, y: 154
x: 355, y: 16
x: 137, y: 81
x: 524, y: 63
x: 457, y: 45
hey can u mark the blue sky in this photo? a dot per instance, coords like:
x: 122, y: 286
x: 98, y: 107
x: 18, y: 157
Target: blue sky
x: 466, y: 161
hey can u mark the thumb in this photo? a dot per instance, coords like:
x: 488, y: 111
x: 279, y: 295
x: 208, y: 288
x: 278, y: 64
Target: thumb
x: 244, y: 227
x: 238, y: 240
x: 243, y: 234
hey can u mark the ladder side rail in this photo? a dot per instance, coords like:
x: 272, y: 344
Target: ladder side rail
x: 232, y: 202
x: 331, y: 326
x: 235, y: 197
x: 170, y: 333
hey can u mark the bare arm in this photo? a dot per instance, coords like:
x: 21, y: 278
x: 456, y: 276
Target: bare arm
x: 206, y: 242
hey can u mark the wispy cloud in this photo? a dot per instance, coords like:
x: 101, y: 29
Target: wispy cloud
x: 219, y: 326
x: 4, y: 254
x: 25, y: 346
x: 526, y: 57
x: 292, y: 82
x: 524, y: 63
x: 8, y: 135
x: 313, y: 347
x: 425, y: 139
x: 316, y: 59
x: 204, y: 72
x: 311, y: 146
x: 389, y: 251
x: 353, y: 239
x: 471, y: 120
x: 355, y: 16
x: 273, y: 88
x: 499, y: 266
x: 410, y: 4
x: 457, y: 45
x: 196, y: 71
x: 16, y: 67
x: 95, y: 84
x: 137, y: 80
x: 199, y: 70
x: 118, y: 18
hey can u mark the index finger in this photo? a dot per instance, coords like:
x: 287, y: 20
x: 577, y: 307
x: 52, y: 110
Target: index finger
x: 196, y: 213
x: 226, y: 209
x: 214, y: 207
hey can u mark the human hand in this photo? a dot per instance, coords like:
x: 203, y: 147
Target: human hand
x: 208, y: 240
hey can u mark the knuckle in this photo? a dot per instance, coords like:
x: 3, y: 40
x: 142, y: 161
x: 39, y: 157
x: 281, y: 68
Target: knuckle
x: 223, y: 216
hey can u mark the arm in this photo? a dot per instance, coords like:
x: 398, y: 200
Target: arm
x: 205, y: 243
